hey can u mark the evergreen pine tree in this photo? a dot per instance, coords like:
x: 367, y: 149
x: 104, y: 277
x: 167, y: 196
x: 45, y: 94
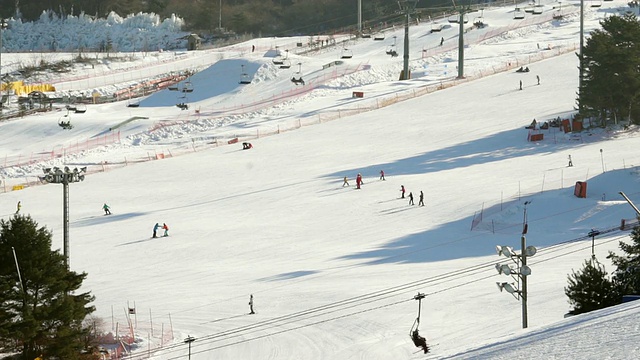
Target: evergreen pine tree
x: 611, y: 83
x: 627, y: 274
x: 589, y: 289
x: 39, y: 312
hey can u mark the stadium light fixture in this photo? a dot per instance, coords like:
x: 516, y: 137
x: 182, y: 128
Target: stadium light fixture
x: 519, y: 273
x: 65, y: 177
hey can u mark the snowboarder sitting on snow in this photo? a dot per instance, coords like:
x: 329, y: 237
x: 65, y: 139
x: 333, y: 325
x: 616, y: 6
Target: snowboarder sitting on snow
x: 246, y: 146
x: 105, y: 207
x: 166, y: 229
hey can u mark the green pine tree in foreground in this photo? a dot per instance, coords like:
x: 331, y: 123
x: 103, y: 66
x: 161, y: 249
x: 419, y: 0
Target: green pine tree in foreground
x: 39, y: 312
x: 590, y: 289
x: 627, y: 274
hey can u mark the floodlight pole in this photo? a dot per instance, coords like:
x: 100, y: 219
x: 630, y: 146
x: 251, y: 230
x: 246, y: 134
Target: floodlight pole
x: 65, y: 219
x: 525, y: 316
x: 520, y: 273
x: 57, y: 176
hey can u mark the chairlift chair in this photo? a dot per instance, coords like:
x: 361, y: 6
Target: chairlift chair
x: 479, y: 22
x: 518, y: 14
x: 173, y: 87
x: 66, y: 125
x: 414, y: 334
x: 529, y: 8
x: 538, y: 9
x: 187, y: 87
x: 456, y: 19
x: 80, y: 109
x: 378, y: 36
x: 278, y: 60
x: 346, y: 54
x: 596, y: 3
x: 558, y: 16
x: 244, y: 77
x: 285, y: 64
x: 436, y: 28
x: 297, y: 77
x: 391, y: 50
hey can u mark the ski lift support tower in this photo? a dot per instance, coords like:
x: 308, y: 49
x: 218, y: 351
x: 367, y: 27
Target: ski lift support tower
x: 462, y: 10
x: 408, y: 6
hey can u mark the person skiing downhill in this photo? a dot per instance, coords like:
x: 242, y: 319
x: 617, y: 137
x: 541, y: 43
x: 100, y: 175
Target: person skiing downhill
x: 345, y: 182
x: 106, y: 209
x: 18, y: 207
x: 410, y: 198
x: 381, y: 174
x: 402, y: 191
x: 421, y: 201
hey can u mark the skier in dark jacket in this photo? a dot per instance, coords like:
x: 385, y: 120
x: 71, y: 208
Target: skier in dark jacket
x: 410, y: 198
x: 155, y: 230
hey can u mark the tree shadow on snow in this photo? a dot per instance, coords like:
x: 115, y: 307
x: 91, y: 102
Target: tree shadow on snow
x: 103, y: 219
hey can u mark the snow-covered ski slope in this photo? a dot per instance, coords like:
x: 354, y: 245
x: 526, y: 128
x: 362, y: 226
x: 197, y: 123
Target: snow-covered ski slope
x: 334, y: 270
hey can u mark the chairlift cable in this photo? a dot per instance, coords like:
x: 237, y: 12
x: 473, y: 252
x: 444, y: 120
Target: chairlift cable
x: 481, y: 267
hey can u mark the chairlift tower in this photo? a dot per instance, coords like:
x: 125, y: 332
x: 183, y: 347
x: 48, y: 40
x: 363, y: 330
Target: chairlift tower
x: 360, y: 18
x: 518, y: 273
x: 581, y: 57
x: 462, y: 11
x: 408, y: 6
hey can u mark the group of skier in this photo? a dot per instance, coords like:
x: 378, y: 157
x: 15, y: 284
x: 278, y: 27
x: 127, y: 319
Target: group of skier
x: 420, y: 201
x: 164, y: 227
x: 359, y: 182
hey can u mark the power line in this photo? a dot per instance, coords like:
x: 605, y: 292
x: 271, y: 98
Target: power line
x: 370, y: 298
